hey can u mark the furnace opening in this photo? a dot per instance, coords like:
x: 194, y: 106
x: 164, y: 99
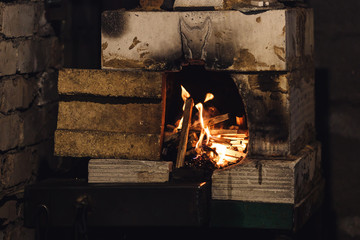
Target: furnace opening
x: 205, y: 121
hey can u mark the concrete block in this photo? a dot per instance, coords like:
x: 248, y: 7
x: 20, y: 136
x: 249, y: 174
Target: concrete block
x: 37, y: 55
x: 130, y: 171
x: 8, y: 58
x: 271, y: 181
x: 284, y: 119
x: 97, y: 144
x: 126, y: 118
x: 110, y: 83
x: 16, y: 93
x: 18, y: 20
x: 11, y: 131
x: 27, y: 61
x: 165, y: 40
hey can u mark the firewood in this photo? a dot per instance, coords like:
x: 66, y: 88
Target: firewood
x: 170, y: 127
x: 233, y: 153
x: 170, y: 136
x: 234, y: 136
x: 211, y: 121
x: 184, y: 133
x: 231, y: 159
x: 239, y: 142
x: 223, y: 131
x: 220, y: 140
x: 216, y: 120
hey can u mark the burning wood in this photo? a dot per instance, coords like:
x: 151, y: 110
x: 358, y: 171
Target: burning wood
x: 184, y: 133
x: 219, y: 147
x: 223, y: 131
x: 211, y: 121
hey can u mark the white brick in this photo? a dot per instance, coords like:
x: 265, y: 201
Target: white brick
x: 16, y: 168
x: 26, y: 57
x: 15, y: 92
x: 7, y: 58
x: 37, y: 55
x: 11, y: 132
x: 18, y: 20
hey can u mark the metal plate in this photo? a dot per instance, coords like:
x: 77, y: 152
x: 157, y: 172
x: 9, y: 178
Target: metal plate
x: 163, y: 204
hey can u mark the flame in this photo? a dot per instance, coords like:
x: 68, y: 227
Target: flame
x: 184, y: 95
x: 208, y: 97
x: 226, y: 148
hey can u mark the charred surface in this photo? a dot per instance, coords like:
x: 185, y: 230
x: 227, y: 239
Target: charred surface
x: 113, y: 23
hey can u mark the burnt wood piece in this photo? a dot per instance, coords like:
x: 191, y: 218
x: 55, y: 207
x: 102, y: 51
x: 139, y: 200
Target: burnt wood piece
x: 184, y: 132
x: 110, y: 83
x: 98, y: 144
x: 128, y: 171
x: 126, y: 118
x: 211, y: 121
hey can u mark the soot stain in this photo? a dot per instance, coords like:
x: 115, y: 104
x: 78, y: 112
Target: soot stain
x: 113, y: 23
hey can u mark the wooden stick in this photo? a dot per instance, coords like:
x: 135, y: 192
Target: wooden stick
x: 223, y: 131
x: 184, y: 133
x: 216, y: 120
x: 211, y: 121
x: 220, y: 140
x: 234, y: 136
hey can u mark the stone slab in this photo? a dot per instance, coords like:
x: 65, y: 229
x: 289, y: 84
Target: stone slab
x: 270, y: 181
x: 129, y: 118
x: 97, y: 144
x: 110, y: 83
x: 128, y: 171
x: 274, y: 40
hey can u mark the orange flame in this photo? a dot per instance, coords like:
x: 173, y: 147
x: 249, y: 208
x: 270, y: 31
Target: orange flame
x: 208, y: 97
x: 184, y: 95
x: 226, y: 149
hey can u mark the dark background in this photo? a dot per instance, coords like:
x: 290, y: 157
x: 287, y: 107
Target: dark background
x: 337, y: 62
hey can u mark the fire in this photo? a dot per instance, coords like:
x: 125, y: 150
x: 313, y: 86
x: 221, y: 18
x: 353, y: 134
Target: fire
x: 222, y: 146
x: 184, y: 95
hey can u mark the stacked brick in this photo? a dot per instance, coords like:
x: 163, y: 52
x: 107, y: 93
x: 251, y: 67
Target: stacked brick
x: 29, y: 57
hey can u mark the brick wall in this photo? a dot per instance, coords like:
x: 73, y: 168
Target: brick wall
x: 29, y: 58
